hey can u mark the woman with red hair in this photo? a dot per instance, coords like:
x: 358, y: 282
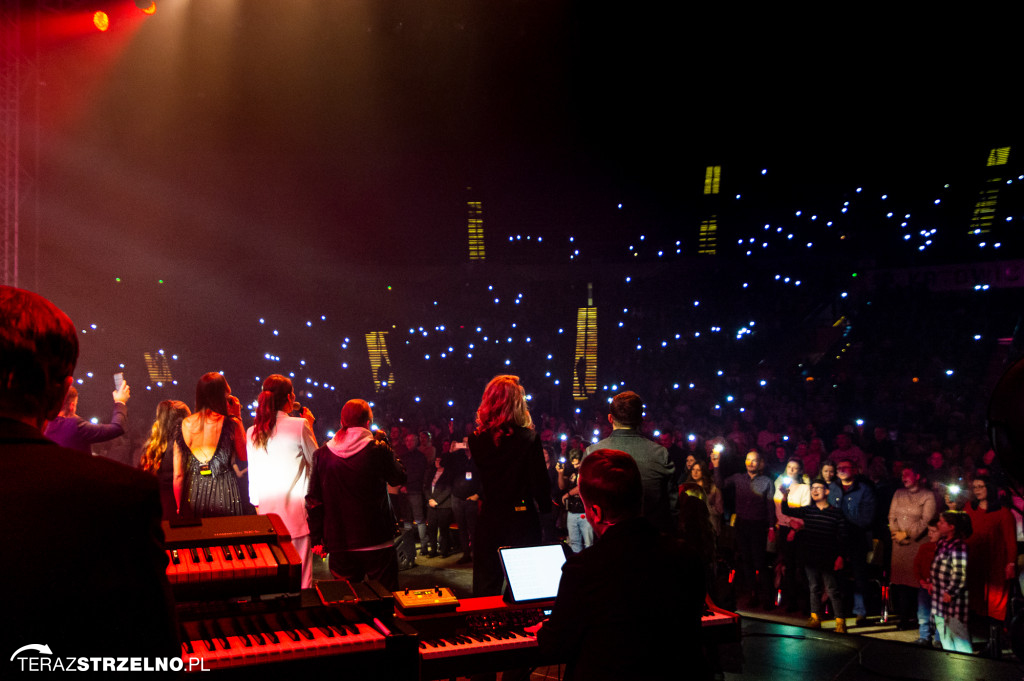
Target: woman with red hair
x: 514, y: 485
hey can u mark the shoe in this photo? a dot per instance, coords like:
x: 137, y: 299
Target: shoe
x: 407, y: 564
x: 923, y: 642
x: 840, y: 625
x: 994, y: 647
x: 466, y: 558
x: 861, y: 620
x: 813, y: 622
x: 433, y: 554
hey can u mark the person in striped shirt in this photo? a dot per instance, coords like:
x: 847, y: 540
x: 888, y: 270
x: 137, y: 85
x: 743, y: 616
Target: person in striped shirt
x: 823, y: 539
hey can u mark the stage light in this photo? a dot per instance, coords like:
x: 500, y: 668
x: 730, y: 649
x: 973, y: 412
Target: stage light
x: 101, y: 21
x: 147, y: 6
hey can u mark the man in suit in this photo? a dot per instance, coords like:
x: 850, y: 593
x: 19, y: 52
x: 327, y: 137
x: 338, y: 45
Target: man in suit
x: 657, y: 471
x: 87, y: 572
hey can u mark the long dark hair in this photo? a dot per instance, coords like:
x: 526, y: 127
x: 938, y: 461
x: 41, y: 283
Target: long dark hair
x: 993, y: 494
x: 212, y: 393
x: 277, y: 390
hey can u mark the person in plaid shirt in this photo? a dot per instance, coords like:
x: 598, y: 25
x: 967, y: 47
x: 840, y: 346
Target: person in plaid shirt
x: 949, y: 582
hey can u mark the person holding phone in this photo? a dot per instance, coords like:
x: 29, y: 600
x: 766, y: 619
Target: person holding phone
x: 72, y: 431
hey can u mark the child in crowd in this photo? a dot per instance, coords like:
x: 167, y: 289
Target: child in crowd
x: 948, y: 585
x: 923, y: 572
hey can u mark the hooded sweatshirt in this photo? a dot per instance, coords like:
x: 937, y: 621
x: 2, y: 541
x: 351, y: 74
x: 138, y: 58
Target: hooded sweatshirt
x: 348, y: 503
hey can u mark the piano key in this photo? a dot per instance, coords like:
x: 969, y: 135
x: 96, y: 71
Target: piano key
x: 467, y: 644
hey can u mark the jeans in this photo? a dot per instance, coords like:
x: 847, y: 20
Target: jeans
x: 581, y: 534
x: 856, y: 567
x: 925, y: 626
x: 815, y: 577
x: 953, y: 634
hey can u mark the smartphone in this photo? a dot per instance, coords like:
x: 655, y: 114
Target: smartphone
x: 118, y: 380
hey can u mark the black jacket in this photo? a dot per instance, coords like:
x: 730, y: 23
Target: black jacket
x: 348, y: 502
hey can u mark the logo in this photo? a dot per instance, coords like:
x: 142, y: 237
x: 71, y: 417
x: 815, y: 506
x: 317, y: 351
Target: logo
x: 38, y: 657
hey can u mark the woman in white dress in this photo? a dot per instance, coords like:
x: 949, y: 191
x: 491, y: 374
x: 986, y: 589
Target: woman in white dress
x: 280, y: 451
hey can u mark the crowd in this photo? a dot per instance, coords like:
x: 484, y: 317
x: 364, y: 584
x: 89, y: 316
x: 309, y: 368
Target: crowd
x: 926, y: 537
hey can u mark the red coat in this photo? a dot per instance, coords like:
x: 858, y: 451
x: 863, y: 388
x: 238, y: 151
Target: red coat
x: 992, y: 545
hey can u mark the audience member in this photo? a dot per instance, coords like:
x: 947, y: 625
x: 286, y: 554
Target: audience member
x: 437, y: 490
x: 465, y: 497
x: 909, y: 512
x: 755, y: 516
x: 581, y: 534
x: 700, y: 476
x: 923, y: 572
x: 948, y: 585
x: 823, y: 541
x: 792, y: 588
x: 855, y: 497
x: 70, y: 430
x: 993, y: 560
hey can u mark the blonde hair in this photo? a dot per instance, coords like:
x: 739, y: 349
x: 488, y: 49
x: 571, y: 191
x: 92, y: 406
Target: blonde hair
x: 169, y: 415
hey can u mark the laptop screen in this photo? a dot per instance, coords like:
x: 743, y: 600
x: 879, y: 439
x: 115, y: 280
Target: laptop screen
x: 533, y: 572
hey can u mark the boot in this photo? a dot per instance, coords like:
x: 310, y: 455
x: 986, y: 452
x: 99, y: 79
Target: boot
x: 994, y: 648
x: 814, y: 622
x: 840, y: 625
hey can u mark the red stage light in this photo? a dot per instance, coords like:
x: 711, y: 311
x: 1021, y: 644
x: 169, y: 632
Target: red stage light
x: 150, y: 9
x: 101, y: 21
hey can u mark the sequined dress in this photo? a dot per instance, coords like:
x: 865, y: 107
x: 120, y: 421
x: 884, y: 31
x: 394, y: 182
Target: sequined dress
x: 212, y: 489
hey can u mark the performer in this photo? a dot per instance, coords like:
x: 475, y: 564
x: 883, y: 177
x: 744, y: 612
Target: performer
x: 632, y: 596
x: 207, y: 448
x: 280, y: 451
x: 350, y: 515
x: 106, y: 594
x: 158, y: 452
x: 514, y: 486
